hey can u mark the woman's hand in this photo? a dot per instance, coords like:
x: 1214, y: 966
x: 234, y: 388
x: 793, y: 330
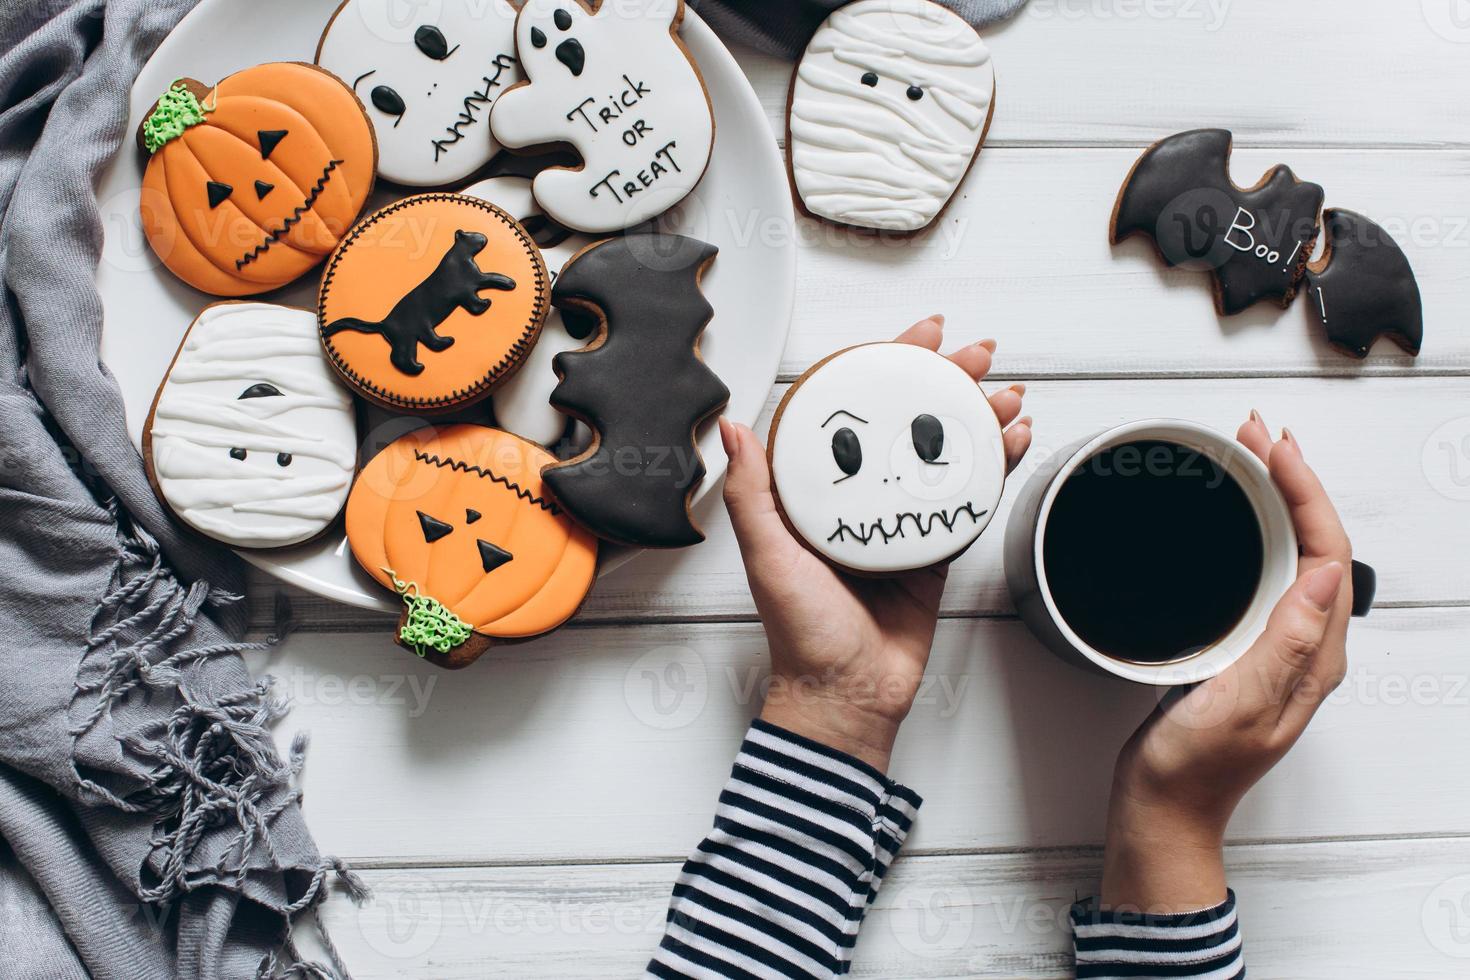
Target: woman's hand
x: 847, y: 653
x: 1180, y: 777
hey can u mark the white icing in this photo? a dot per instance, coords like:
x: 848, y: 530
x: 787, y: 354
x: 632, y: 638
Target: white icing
x: 523, y: 401
x: 869, y: 155
x: 638, y: 113
x: 200, y: 417
x: 443, y: 135
x: 913, y: 513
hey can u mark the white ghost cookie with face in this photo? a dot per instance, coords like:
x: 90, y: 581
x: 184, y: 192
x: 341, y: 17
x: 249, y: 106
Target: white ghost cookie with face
x: 251, y: 440
x: 889, y: 107
x: 620, y: 88
x: 886, y: 458
x: 428, y: 75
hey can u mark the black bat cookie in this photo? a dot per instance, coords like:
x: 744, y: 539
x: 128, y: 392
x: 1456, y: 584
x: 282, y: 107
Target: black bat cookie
x: 1254, y: 241
x: 640, y: 385
x: 1363, y: 287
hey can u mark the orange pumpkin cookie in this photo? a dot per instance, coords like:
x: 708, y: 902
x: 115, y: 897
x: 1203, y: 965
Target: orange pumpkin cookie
x: 252, y: 183
x: 456, y: 520
x: 402, y: 313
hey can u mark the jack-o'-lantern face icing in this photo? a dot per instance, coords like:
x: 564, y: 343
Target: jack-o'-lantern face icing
x: 429, y: 80
x: 456, y: 520
x: 887, y: 457
x: 252, y: 183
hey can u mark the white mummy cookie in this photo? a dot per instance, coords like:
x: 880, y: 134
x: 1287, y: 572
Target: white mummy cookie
x: 251, y: 440
x: 886, y: 458
x: 888, y: 109
x: 620, y: 88
x: 428, y: 75
x: 523, y: 401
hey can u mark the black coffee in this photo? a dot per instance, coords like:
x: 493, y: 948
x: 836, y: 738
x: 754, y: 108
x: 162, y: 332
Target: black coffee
x: 1152, y: 552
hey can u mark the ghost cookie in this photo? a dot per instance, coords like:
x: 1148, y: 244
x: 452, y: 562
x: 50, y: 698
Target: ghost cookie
x: 1363, y: 287
x: 1255, y: 242
x: 251, y: 440
x: 640, y: 385
x: 432, y: 301
x: 889, y: 108
x: 619, y: 86
x: 428, y: 80
x: 457, y: 522
x: 886, y: 458
x: 253, y: 182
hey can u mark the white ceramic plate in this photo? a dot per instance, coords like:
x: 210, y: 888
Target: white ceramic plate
x: 743, y: 205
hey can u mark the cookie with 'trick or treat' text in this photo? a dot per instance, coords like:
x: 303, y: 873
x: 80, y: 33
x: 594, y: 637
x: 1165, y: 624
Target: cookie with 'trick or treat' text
x: 620, y: 87
x: 1363, y: 287
x: 1255, y: 241
x: 252, y: 183
x: 886, y: 458
x: 429, y: 80
x: 457, y: 522
x: 640, y: 385
x: 432, y: 301
x: 251, y: 440
x: 889, y: 108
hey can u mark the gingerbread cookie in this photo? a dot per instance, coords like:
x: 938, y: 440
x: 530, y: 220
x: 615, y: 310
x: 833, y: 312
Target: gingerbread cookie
x: 523, y: 401
x: 886, y: 458
x: 641, y: 386
x: 253, y: 182
x: 889, y: 108
x: 1254, y: 241
x: 619, y: 86
x: 251, y: 440
x: 1363, y: 287
x: 428, y: 80
x: 431, y: 301
x: 457, y: 522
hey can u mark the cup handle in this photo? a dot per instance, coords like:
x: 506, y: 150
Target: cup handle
x: 1365, y: 587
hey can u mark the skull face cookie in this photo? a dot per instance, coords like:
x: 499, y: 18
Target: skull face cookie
x: 619, y: 87
x: 886, y: 458
x: 428, y: 80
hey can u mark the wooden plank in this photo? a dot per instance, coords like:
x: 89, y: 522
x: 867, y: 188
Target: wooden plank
x: 1393, y: 452
x: 1088, y: 72
x: 1311, y: 911
x: 611, y: 743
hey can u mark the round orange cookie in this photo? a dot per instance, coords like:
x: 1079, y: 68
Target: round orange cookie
x: 252, y: 183
x: 430, y: 302
x: 457, y: 517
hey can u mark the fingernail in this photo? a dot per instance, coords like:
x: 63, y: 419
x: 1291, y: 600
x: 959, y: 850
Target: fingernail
x: 1026, y: 421
x: 988, y: 345
x: 1019, y: 388
x: 729, y: 438
x: 1256, y: 417
x: 1291, y: 440
x: 1323, y: 586
x: 938, y: 318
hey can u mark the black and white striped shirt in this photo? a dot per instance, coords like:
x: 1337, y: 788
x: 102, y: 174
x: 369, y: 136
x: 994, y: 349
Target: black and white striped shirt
x: 802, y: 839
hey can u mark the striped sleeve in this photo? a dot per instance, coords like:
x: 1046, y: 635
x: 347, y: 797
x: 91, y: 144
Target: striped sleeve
x: 802, y: 838
x: 1201, y: 945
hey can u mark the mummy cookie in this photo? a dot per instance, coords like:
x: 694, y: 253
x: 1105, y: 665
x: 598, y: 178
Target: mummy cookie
x: 889, y: 107
x: 429, y: 75
x: 641, y: 386
x: 886, y: 458
x: 1254, y: 242
x: 251, y: 440
x: 253, y: 182
x: 457, y: 522
x: 1363, y: 287
x: 432, y: 301
x: 618, y: 86
x: 523, y: 401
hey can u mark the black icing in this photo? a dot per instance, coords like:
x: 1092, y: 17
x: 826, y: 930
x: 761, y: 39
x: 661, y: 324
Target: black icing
x: 454, y: 284
x: 847, y: 451
x: 643, y: 388
x: 538, y: 38
x: 570, y: 53
x: 430, y: 41
x: 471, y: 516
x: 928, y: 435
x: 237, y: 454
x: 1363, y: 287
x: 492, y: 557
x: 387, y: 101
x: 563, y: 19
x: 914, y: 93
x: 1254, y: 242
x: 262, y: 189
x: 870, y: 79
x: 283, y: 459
x: 269, y: 140
x: 218, y: 193
x: 263, y: 389
x: 433, y: 528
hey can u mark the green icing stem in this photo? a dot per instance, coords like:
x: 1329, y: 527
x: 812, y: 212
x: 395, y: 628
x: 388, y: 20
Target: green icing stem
x: 429, y: 623
x: 176, y: 111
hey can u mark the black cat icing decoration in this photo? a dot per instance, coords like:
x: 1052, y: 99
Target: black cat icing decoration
x: 1255, y: 242
x: 1363, y: 288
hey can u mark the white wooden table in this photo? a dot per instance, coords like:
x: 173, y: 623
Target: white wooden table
x: 526, y: 817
